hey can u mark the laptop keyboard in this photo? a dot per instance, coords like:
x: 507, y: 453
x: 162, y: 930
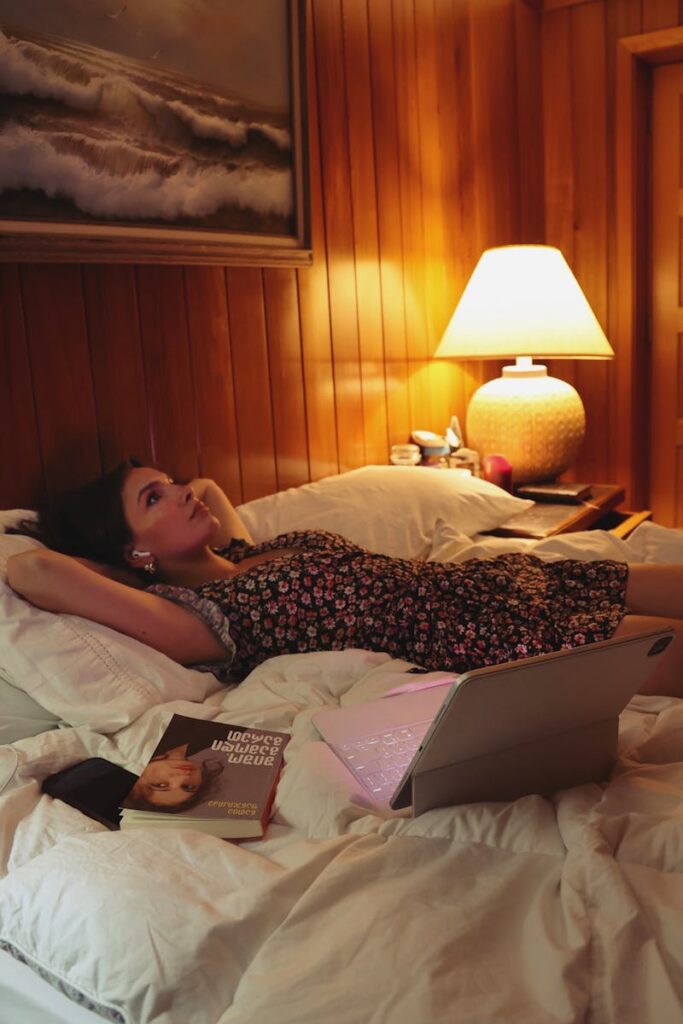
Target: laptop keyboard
x: 379, y: 762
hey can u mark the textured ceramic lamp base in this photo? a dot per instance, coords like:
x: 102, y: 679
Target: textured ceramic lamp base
x: 536, y: 422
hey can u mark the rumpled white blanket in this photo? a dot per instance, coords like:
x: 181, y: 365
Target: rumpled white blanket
x: 534, y: 911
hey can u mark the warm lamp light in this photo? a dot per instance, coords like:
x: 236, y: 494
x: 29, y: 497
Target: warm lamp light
x: 523, y: 301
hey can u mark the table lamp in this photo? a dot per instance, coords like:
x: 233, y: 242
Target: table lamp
x: 523, y: 301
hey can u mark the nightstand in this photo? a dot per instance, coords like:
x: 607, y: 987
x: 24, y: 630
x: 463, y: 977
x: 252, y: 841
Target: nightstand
x: 599, y: 512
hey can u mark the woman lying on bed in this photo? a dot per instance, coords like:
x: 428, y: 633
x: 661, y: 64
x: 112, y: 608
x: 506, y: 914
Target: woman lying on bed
x: 217, y: 597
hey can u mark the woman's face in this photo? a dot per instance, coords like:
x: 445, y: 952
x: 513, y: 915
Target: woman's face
x: 169, y: 781
x: 165, y: 518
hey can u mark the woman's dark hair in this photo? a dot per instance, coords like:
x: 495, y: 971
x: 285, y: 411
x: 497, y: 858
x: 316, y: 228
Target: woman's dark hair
x: 88, y: 521
x: 211, y: 769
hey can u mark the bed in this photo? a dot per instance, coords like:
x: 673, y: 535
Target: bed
x: 565, y: 910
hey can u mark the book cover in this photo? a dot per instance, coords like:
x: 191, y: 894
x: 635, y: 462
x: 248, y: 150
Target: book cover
x: 211, y: 776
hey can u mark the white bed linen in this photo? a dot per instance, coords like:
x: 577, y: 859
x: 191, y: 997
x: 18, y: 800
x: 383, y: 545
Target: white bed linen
x: 535, y: 911
x: 27, y: 999
x: 20, y: 715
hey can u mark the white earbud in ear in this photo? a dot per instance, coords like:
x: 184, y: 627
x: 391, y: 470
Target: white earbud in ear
x: 141, y: 554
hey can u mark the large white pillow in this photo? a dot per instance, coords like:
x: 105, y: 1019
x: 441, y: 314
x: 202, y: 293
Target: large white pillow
x: 85, y: 673
x: 81, y: 672
x: 393, y: 510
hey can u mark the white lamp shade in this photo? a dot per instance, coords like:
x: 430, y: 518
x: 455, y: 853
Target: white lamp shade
x: 523, y: 300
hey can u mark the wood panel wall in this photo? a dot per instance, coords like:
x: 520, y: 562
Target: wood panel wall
x: 579, y: 41
x: 426, y: 147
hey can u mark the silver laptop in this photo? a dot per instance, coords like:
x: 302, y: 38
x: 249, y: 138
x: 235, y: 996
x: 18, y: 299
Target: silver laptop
x: 532, y: 726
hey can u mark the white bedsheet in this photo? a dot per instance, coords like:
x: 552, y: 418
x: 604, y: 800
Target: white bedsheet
x: 535, y: 911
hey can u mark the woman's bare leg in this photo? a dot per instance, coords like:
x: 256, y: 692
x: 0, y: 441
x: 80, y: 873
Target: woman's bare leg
x: 654, y: 598
x: 667, y: 678
x: 655, y: 590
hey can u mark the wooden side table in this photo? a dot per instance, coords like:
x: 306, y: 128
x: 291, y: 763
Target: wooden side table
x: 599, y: 511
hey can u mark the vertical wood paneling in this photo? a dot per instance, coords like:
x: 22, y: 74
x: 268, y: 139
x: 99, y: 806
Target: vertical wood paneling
x: 286, y: 378
x: 621, y: 19
x: 414, y: 193
x: 314, y: 310
x: 529, y: 117
x: 117, y: 363
x: 387, y: 157
x: 57, y: 338
x: 460, y: 182
x: 255, y: 438
x: 327, y: 23
x: 21, y: 466
x: 590, y: 212
x: 666, y: 422
x: 212, y: 378
x: 425, y: 145
x: 434, y: 196
x: 494, y: 139
x: 168, y: 370
x: 605, y: 183
x: 494, y: 97
x: 659, y: 14
x: 364, y: 206
x: 435, y: 202
x: 559, y: 136
x: 558, y: 131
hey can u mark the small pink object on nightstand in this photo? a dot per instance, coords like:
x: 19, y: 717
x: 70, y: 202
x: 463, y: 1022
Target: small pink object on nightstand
x: 497, y: 470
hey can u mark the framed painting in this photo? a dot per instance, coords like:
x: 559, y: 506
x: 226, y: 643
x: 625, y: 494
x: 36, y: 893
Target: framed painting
x: 164, y: 131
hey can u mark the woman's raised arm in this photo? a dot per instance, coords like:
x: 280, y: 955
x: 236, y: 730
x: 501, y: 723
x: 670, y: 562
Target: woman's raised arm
x: 59, y: 583
x: 232, y: 527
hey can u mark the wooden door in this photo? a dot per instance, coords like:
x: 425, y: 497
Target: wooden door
x: 666, y: 434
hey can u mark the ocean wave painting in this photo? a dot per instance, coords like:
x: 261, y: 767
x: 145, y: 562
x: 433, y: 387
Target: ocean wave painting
x: 123, y: 118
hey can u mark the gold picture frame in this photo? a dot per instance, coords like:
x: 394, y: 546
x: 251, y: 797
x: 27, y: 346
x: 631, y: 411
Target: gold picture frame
x: 219, y: 174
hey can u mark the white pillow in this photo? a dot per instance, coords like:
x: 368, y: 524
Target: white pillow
x: 20, y: 715
x: 85, y: 673
x: 79, y: 671
x: 393, y: 510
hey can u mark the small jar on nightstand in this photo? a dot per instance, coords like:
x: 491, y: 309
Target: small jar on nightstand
x: 405, y: 455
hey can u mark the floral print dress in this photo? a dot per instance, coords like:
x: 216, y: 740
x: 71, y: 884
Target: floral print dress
x: 331, y: 594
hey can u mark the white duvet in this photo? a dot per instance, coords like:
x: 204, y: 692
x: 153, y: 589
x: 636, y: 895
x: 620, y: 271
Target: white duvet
x: 535, y: 911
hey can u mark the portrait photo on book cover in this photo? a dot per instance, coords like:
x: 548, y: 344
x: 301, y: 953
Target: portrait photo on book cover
x: 203, y: 770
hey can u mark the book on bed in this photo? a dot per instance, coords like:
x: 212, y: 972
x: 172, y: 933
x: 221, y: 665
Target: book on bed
x: 211, y: 776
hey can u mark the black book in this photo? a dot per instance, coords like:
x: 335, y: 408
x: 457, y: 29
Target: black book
x: 560, y: 494
x: 95, y: 787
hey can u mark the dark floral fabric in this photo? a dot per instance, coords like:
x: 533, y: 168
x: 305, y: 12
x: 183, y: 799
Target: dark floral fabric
x: 331, y: 594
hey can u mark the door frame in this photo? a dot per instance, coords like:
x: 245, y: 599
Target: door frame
x: 636, y: 57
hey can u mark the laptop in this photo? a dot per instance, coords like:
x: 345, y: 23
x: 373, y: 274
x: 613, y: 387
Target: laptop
x: 536, y: 725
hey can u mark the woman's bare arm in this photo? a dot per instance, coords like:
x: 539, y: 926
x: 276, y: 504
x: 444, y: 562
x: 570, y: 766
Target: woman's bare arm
x: 59, y: 583
x: 232, y: 527
x: 127, y: 576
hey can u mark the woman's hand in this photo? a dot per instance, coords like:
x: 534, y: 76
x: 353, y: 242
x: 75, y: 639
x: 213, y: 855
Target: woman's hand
x: 232, y: 527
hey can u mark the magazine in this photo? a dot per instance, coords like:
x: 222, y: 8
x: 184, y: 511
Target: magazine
x: 211, y: 776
